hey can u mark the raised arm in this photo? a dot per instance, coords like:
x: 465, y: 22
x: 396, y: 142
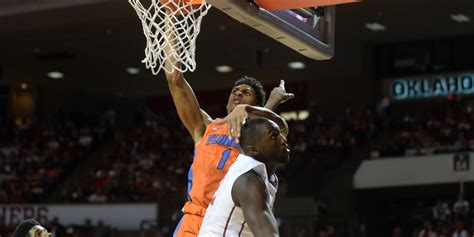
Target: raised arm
x: 250, y: 194
x: 255, y: 111
x: 184, y: 99
x: 241, y: 112
x: 187, y: 106
x: 278, y: 96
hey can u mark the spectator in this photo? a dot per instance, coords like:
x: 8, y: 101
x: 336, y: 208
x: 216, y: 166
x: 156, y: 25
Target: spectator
x: 460, y: 231
x: 427, y: 230
x: 444, y: 231
x: 441, y: 212
x: 461, y: 208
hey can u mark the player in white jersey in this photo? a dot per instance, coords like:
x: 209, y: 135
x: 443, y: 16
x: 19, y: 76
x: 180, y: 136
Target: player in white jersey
x: 242, y: 205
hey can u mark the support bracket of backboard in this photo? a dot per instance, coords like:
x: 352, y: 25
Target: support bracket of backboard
x: 309, y: 31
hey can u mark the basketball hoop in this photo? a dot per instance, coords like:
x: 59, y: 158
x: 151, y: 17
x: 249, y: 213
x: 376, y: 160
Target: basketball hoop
x: 171, y: 22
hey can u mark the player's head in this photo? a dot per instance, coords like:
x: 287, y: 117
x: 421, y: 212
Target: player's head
x: 262, y: 139
x: 30, y: 228
x: 246, y: 90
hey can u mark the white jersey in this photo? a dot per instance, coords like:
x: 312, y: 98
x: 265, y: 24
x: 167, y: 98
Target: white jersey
x: 223, y: 217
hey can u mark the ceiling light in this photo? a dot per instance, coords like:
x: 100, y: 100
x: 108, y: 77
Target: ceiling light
x: 303, y: 115
x: 296, y: 65
x: 24, y: 86
x: 224, y: 68
x: 291, y: 115
x: 460, y: 18
x: 374, y: 26
x: 55, y: 75
x: 132, y: 70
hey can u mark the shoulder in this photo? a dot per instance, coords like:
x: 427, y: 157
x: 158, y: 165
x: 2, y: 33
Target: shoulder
x: 248, y: 186
x: 250, y: 177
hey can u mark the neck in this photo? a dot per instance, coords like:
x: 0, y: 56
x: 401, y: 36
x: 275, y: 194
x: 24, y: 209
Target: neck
x: 271, y: 169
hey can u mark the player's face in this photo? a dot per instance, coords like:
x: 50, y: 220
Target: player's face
x: 241, y: 94
x: 274, y: 144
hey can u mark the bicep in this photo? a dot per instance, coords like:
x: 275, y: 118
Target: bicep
x: 250, y: 194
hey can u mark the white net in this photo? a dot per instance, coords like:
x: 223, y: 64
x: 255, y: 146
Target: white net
x: 170, y: 22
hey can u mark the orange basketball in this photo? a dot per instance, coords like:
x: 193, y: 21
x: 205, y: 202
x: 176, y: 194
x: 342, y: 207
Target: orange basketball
x: 182, y: 7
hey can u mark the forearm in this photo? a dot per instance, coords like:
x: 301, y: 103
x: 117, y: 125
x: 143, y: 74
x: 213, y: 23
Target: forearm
x: 254, y: 111
x: 272, y: 105
x: 187, y: 106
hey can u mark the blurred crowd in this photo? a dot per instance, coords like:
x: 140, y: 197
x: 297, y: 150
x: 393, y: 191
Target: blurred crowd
x: 142, y: 163
x: 150, y: 159
x: 35, y: 158
x: 452, y: 218
x: 145, y: 159
x: 441, y: 128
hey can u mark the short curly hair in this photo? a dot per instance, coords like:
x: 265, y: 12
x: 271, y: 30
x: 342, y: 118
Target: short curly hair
x: 23, y: 229
x: 260, y: 95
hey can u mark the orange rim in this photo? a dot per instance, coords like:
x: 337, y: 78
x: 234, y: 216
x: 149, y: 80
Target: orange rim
x: 195, y: 2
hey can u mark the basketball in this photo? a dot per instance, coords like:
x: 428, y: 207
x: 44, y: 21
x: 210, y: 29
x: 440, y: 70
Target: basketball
x: 180, y: 7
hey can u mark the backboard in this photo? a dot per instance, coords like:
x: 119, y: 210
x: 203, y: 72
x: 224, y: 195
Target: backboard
x: 309, y: 31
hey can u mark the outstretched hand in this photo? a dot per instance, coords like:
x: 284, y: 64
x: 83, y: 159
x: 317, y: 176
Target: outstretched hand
x: 235, y: 120
x: 279, y: 93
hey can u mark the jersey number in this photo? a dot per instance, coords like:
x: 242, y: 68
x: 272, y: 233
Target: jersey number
x: 224, y: 157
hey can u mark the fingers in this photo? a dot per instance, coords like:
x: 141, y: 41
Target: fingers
x: 234, y: 127
x: 230, y: 128
x: 287, y: 96
x: 282, y: 84
x: 237, y: 130
x: 238, y: 127
x: 234, y: 121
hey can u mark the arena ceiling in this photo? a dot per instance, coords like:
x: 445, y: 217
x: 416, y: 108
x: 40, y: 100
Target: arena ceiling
x: 93, y: 41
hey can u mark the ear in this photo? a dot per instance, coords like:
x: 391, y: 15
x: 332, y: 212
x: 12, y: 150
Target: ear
x: 255, y: 150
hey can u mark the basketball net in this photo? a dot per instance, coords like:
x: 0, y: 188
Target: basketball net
x: 170, y: 22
